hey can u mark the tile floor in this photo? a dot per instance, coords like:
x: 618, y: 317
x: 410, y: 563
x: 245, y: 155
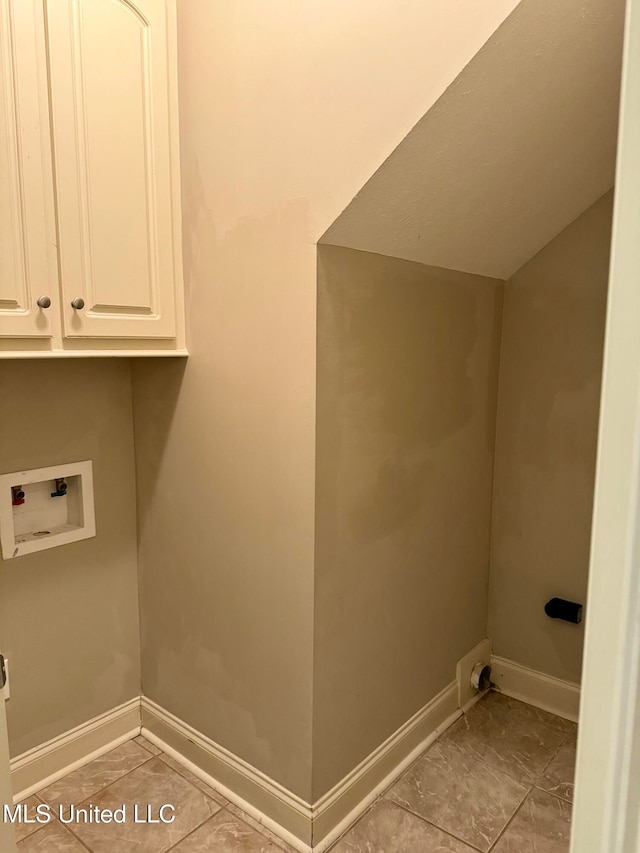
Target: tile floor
x: 500, y: 780
x: 138, y: 772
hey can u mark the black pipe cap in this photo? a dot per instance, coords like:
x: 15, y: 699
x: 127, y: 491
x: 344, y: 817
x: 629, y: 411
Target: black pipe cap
x: 560, y: 608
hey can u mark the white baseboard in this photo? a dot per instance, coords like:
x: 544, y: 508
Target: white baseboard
x: 39, y: 767
x: 543, y: 691
x: 267, y: 801
x: 300, y: 824
x: 334, y: 812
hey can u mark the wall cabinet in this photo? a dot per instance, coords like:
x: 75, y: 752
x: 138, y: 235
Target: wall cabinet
x: 90, y: 259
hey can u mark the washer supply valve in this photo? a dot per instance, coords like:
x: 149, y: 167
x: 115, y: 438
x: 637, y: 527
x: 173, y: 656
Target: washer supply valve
x: 61, y: 488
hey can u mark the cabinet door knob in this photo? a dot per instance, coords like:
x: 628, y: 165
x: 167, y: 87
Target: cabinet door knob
x: 43, y: 302
x: 77, y: 303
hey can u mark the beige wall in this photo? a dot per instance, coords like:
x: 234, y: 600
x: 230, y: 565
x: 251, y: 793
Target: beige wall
x: 224, y: 580
x: 550, y: 372
x: 287, y: 108
x: 407, y: 382
x: 286, y: 111
x: 69, y: 615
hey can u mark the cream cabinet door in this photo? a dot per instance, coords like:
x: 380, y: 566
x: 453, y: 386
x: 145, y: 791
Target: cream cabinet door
x: 110, y: 66
x: 28, y: 267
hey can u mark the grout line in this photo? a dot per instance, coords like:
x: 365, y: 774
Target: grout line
x: 557, y: 796
x: 527, y: 785
x: 544, y: 769
x: 548, y: 764
x: 435, y: 825
x: 195, y: 828
x: 230, y: 814
x: 543, y: 722
x: 566, y: 734
x: 383, y: 794
x: 245, y: 818
x: 146, y: 748
x: 529, y: 792
x: 124, y: 775
x: 109, y: 784
x: 353, y: 825
x: 77, y: 838
x: 570, y: 736
x: 53, y: 823
x: 417, y: 760
x: 511, y: 819
x: 183, y: 775
x: 452, y: 835
x: 530, y: 786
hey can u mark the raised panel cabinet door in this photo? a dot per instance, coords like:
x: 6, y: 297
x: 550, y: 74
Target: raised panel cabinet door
x: 110, y: 66
x: 28, y: 266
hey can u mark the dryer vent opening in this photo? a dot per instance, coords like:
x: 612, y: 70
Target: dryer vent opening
x: 481, y: 676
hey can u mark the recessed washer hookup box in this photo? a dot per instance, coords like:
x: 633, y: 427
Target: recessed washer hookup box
x: 46, y: 507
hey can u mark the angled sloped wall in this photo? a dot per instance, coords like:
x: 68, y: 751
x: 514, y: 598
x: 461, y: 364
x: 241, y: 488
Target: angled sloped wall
x: 287, y: 108
x: 517, y: 147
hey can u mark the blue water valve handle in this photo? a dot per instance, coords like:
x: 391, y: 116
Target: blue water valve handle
x: 61, y: 488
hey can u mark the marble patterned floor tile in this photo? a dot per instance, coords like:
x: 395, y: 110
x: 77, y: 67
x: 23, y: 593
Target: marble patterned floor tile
x: 542, y: 825
x: 195, y: 780
x: 22, y: 828
x: 99, y: 773
x: 152, y: 784
x: 49, y: 838
x: 459, y: 794
x: 388, y: 828
x: 146, y: 744
x: 506, y: 739
x: 558, y: 777
x: 515, y: 708
x: 255, y: 824
x: 226, y: 833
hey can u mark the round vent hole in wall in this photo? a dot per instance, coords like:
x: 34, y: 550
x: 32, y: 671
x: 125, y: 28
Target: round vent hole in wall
x: 481, y: 676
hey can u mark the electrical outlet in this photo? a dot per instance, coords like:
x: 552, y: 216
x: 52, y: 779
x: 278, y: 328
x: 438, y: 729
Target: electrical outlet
x: 6, y: 692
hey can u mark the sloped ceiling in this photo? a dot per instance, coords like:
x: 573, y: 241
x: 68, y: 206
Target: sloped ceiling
x: 516, y: 148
